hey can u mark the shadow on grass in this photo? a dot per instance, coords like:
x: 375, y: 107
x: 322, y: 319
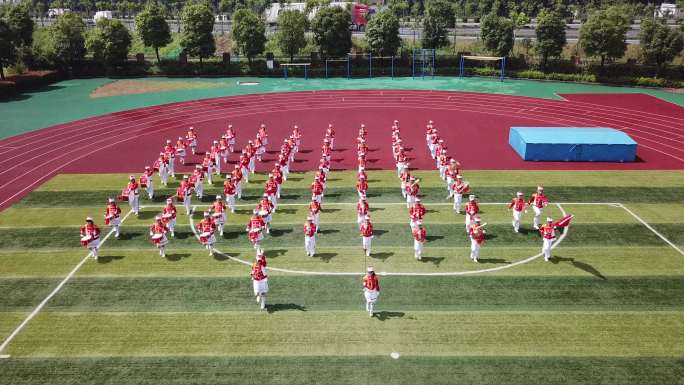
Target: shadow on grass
x: 434, y: 260
x: 286, y: 211
x: 327, y: 211
x: 275, y: 253
x: 147, y: 214
x: 579, y: 265
x: 328, y: 231
x: 381, y: 256
x: 493, y: 260
x: 385, y: 315
x: 284, y: 307
x: 431, y: 238
x: 374, y: 209
x: 109, y: 258
x: 325, y: 257
x: 175, y: 257
x: 280, y: 232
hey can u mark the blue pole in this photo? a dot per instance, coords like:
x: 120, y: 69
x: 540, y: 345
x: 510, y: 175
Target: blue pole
x: 306, y: 76
x: 326, y: 68
x: 433, y: 64
x: 285, y: 72
x: 413, y: 64
x: 348, y: 67
x: 503, y: 68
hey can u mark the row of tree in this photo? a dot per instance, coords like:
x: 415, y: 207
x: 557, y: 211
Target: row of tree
x: 66, y: 41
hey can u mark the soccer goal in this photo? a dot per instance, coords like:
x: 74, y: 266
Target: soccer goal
x: 461, y: 70
x: 423, y: 63
x: 286, y: 66
x: 380, y: 64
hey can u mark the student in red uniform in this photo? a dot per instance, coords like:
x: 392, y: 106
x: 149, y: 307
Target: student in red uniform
x: 419, y: 237
x: 169, y: 216
x: 219, y: 213
x: 538, y: 201
x: 260, y: 283
x: 315, y: 213
x: 471, y: 210
x: 366, y: 232
x: 371, y: 290
x: 147, y: 182
x: 412, y: 191
x: 191, y: 139
x: 180, y: 149
x: 133, y: 195
x: 229, y: 192
x: 310, y: 237
x: 477, y: 238
x: 255, y: 228
x: 517, y: 206
x: 207, y: 228
x: 362, y: 187
x: 416, y: 214
x: 184, y: 194
x: 362, y: 211
x: 548, y: 233
x: 458, y: 188
x: 158, y: 232
x: 170, y: 152
x: 317, y: 190
x: 112, y: 216
x: 90, y: 236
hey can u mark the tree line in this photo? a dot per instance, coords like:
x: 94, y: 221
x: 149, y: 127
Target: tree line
x: 66, y: 41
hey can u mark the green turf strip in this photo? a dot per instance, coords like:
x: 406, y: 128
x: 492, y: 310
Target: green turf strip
x: 339, y: 370
x: 306, y: 332
x: 375, y: 194
x: 429, y: 178
x: 344, y: 293
x: 332, y: 214
x: 193, y: 261
x: 439, y: 235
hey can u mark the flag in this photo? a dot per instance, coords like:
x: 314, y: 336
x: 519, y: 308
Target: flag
x: 564, y: 222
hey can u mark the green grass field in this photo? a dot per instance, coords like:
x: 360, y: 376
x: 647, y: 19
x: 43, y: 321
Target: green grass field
x: 608, y: 309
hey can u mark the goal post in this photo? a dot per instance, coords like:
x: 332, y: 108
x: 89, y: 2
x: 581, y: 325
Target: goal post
x: 423, y: 63
x: 502, y: 75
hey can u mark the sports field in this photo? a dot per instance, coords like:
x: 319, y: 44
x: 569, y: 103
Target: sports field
x: 607, y: 309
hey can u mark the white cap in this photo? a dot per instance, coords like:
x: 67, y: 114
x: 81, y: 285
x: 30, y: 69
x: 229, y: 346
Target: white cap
x: 216, y: 141
x: 549, y: 219
x: 230, y: 126
x: 430, y: 122
x: 192, y: 128
x: 471, y: 197
x: 262, y: 125
x: 180, y: 138
x: 367, y: 217
x: 417, y: 199
x: 147, y: 167
x: 168, y: 140
x: 540, y: 188
x: 459, y: 176
x: 476, y: 219
x: 329, y: 125
x: 309, y: 219
x: 206, y: 214
x: 89, y: 219
x: 218, y: 197
x: 370, y: 269
x: 363, y: 125
x: 157, y: 218
x: 519, y: 193
x: 111, y: 200
x: 169, y: 200
x: 296, y: 126
x: 185, y: 177
x: 131, y: 177
x: 396, y: 121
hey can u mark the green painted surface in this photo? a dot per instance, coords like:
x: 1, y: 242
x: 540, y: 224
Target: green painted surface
x: 69, y: 100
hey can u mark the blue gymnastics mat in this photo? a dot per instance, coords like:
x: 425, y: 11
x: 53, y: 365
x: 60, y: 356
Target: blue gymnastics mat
x: 572, y: 144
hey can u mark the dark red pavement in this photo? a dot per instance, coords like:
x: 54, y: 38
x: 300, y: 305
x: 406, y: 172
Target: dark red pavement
x: 475, y: 126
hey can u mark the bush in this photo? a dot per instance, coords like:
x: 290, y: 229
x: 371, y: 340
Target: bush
x: 7, y: 89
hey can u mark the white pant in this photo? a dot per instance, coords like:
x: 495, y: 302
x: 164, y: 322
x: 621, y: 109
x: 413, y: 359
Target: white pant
x: 210, y: 171
x: 260, y: 287
x: 199, y: 189
x: 171, y: 225
x: 359, y: 218
x: 371, y: 295
x: 467, y: 221
x: 187, y: 202
x: 516, y: 219
x: 230, y: 200
x: 546, y: 248
x: 134, y: 202
x: 150, y: 188
x: 317, y: 219
x: 172, y: 166
x: 217, y: 160
x: 310, y: 245
x: 474, y: 249
x: 418, y: 248
x: 410, y: 199
x: 537, y: 215
x: 367, y: 245
x: 458, y: 199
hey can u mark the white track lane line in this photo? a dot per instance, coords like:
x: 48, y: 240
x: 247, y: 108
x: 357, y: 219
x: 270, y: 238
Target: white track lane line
x: 652, y: 229
x: 52, y: 294
x: 454, y: 273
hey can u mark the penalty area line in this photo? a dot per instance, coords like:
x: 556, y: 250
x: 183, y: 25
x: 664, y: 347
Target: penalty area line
x: 643, y: 222
x: 52, y: 294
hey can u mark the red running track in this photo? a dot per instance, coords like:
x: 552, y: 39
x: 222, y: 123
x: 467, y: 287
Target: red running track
x: 474, y: 125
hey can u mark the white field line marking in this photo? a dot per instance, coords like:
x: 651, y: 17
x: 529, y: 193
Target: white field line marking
x: 652, y: 229
x: 402, y: 203
x: 454, y: 273
x: 53, y: 293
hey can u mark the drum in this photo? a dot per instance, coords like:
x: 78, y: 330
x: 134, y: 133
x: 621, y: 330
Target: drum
x: 167, y: 216
x: 157, y: 238
x: 204, y: 237
x: 107, y: 219
x: 86, y: 239
x: 263, y: 213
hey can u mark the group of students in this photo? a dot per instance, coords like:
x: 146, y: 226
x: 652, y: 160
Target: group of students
x: 318, y: 186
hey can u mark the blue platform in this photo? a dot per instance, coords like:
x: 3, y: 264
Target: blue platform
x: 572, y: 144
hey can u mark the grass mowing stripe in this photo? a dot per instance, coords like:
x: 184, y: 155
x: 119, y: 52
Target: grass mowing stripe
x: 376, y: 194
x: 629, y: 334
x: 332, y: 214
x: 340, y: 235
x: 429, y: 178
x: 343, y: 293
x: 342, y: 370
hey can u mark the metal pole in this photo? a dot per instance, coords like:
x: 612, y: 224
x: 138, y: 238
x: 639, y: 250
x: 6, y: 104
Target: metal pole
x: 285, y: 71
x: 348, y: 67
x: 433, y: 63
x: 413, y: 64
x: 392, y: 67
x: 326, y: 68
x: 370, y: 65
x: 306, y: 75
